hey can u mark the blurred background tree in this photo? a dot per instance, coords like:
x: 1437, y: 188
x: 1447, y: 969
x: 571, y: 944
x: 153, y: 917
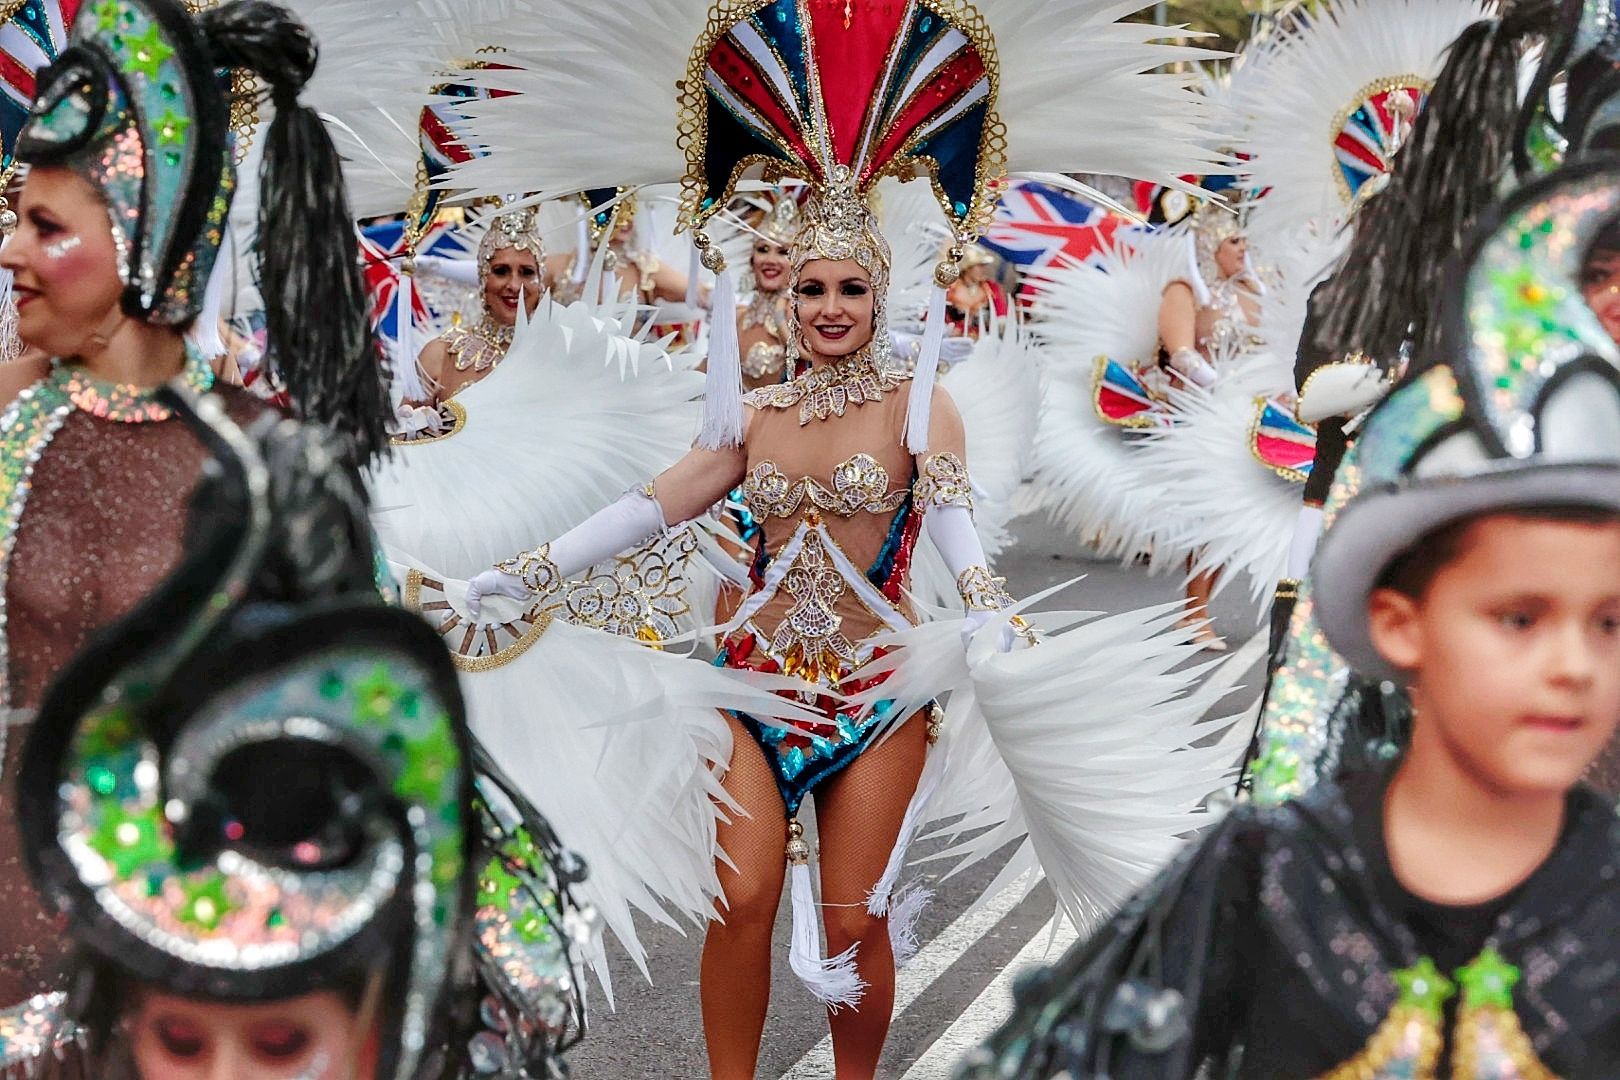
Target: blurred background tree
x: 1231, y: 22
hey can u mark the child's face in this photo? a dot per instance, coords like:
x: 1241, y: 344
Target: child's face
x: 1514, y: 650
x: 313, y: 1037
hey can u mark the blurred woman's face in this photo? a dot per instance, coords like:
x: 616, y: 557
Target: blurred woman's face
x: 65, y: 263
x: 1229, y: 257
x: 312, y: 1037
x: 1600, y: 285
x: 512, y: 274
x: 770, y: 265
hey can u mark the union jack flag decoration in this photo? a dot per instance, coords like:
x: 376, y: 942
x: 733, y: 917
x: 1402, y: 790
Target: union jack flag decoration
x: 1037, y: 224
x: 382, y: 254
x: 442, y: 142
x: 1280, y: 441
x: 31, y: 38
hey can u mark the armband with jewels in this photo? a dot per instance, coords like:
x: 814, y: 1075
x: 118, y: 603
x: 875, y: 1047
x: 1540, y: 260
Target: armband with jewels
x: 535, y: 569
x: 981, y: 591
x: 944, y: 482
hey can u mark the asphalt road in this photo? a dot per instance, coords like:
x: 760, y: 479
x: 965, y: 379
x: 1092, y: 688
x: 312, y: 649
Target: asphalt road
x: 958, y: 987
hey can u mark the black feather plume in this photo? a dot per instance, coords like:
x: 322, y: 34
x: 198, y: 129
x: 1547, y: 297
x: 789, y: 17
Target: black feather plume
x: 320, y: 338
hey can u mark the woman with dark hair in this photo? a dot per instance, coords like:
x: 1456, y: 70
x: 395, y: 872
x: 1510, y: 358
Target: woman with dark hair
x: 119, y: 227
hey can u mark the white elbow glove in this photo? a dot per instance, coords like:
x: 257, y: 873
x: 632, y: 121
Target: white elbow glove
x: 615, y: 528
x: 983, y: 595
x: 1193, y: 367
x: 461, y: 271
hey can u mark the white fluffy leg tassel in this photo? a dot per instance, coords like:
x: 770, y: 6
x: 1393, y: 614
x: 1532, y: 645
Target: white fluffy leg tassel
x: 833, y: 980
x: 904, y: 911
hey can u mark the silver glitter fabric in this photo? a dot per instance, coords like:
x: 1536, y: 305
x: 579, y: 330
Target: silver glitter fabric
x: 1280, y: 947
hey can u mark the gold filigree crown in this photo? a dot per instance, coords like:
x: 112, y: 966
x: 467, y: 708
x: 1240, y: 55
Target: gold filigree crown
x: 780, y: 224
x: 516, y: 230
x: 838, y: 225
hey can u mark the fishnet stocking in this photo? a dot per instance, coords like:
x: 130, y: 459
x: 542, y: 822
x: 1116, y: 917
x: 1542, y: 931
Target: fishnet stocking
x: 736, y: 971
x: 858, y: 816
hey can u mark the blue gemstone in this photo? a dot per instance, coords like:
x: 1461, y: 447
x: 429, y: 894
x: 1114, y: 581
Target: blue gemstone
x: 794, y: 765
x: 927, y: 23
x: 961, y: 209
x: 708, y: 201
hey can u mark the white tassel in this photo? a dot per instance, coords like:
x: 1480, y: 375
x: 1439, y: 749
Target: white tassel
x: 10, y: 343
x: 835, y: 982
x: 722, y: 387
x: 694, y: 266
x: 204, y: 332
x: 877, y: 901
x: 407, y: 373
x: 903, y: 915
x: 922, y: 379
x: 582, y: 251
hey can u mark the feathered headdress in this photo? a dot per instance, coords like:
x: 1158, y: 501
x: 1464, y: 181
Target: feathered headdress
x: 941, y: 89
x: 1325, y: 106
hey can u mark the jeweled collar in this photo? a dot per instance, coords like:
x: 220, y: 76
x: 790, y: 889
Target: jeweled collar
x: 831, y: 388
x: 122, y: 402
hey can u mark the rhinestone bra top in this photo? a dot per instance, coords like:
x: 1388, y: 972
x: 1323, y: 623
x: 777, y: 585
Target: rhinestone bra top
x: 859, y: 485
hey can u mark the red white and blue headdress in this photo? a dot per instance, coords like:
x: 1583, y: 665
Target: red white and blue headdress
x: 953, y: 92
x: 914, y: 97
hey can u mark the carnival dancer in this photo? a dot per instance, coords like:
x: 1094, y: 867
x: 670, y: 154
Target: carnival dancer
x: 844, y: 467
x: 762, y: 321
x: 976, y: 297
x: 1447, y: 916
x: 511, y: 268
x: 276, y: 845
x: 110, y: 258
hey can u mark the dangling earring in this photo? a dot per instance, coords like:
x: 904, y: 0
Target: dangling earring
x: 882, y: 347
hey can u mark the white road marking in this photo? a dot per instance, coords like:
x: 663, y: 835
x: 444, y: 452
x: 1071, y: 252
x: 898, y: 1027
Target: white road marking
x: 991, y: 1008
x: 931, y: 961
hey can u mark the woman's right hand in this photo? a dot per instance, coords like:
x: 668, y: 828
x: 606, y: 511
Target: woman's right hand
x: 494, y: 583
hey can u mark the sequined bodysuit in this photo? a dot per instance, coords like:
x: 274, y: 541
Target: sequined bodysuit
x: 839, y: 506
x: 103, y: 522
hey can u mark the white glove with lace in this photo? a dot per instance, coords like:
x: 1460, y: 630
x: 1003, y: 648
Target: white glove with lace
x: 626, y: 523
x: 952, y: 350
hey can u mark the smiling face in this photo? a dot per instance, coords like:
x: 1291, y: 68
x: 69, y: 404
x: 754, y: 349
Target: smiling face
x: 512, y: 273
x: 66, y: 264
x: 1230, y: 255
x: 770, y: 265
x: 315, y: 1036
x: 1514, y: 660
x: 1600, y: 284
x: 834, y: 304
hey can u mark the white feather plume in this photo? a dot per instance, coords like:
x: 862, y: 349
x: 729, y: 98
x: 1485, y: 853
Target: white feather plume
x: 1080, y: 92
x: 1087, y: 473
x: 1290, y: 97
x: 574, y: 416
